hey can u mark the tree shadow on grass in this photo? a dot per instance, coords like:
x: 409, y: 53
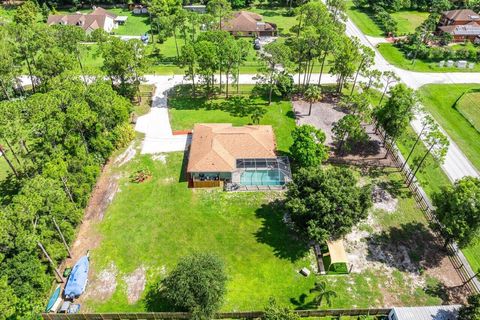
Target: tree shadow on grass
x: 301, y: 303
x: 183, y: 169
x: 412, y: 247
x: 155, y: 300
x: 275, y: 232
x: 396, y: 188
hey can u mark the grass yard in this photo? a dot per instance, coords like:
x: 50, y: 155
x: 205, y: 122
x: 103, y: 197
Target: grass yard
x: 431, y: 176
x: 407, y: 20
x: 439, y: 100
x: 136, y: 25
x: 396, y: 57
x: 186, y: 111
x: 278, y: 16
x: 163, y: 62
x: 363, y: 21
x: 171, y: 221
x: 469, y: 106
x: 246, y: 230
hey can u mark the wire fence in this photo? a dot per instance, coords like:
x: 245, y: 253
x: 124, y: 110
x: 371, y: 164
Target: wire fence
x: 379, y: 312
x: 456, y: 256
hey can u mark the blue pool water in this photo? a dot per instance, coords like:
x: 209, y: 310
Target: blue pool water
x: 262, y: 178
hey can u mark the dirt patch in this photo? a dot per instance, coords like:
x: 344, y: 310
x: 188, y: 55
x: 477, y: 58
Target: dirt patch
x: 160, y: 157
x: 324, y: 115
x: 127, y: 155
x: 103, y: 285
x: 383, y: 200
x: 102, y: 195
x: 87, y: 237
x: 135, y: 284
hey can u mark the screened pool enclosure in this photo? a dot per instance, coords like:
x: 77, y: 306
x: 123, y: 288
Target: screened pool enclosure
x: 262, y: 173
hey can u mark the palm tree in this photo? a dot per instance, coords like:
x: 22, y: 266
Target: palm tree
x: 323, y: 293
x: 257, y: 114
x: 313, y: 94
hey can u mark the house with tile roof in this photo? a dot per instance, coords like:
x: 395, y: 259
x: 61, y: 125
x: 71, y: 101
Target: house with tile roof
x: 248, y: 24
x: 99, y: 18
x: 221, y: 153
x: 463, y: 25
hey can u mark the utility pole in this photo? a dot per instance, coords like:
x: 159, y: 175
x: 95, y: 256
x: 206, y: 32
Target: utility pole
x: 57, y: 273
x: 63, y: 238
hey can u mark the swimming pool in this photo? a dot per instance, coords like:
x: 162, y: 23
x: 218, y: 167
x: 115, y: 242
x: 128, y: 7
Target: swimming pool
x: 262, y: 178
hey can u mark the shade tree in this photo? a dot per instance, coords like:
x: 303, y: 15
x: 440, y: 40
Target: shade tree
x: 308, y: 149
x: 397, y: 112
x: 457, y: 208
x: 325, y: 203
x: 348, y: 132
x: 197, y: 285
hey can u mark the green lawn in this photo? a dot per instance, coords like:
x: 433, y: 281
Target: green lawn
x: 185, y: 112
x: 136, y: 25
x: 277, y: 16
x: 245, y: 230
x: 439, y: 100
x: 469, y: 107
x: 172, y: 221
x: 363, y: 21
x: 396, y: 57
x: 407, y: 20
x: 431, y: 177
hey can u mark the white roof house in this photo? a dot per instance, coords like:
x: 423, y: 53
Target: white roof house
x: 449, y: 312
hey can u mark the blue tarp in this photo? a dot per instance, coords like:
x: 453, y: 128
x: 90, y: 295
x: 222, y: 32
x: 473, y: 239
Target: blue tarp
x: 78, y: 279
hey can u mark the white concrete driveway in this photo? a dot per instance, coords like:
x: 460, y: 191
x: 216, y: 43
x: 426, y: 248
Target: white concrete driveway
x: 156, y: 124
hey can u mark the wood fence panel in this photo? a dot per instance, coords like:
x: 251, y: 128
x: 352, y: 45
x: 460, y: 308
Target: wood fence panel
x: 220, y: 315
x: 456, y: 256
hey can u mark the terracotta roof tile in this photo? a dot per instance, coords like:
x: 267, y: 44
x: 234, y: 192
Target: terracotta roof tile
x: 244, y: 21
x: 216, y: 146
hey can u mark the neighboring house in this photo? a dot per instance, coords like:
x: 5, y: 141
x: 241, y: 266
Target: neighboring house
x: 445, y: 312
x: 243, y: 157
x: 139, y: 9
x: 248, y: 24
x: 198, y: 8
x: 462, y: 24
x: 99, y: 18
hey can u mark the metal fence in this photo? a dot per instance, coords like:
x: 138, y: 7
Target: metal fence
x: 380, y: 312
x: 456, y: 256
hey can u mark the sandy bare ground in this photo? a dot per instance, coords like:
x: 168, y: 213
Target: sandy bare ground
x: 324, y: 115
x: 412, y: 249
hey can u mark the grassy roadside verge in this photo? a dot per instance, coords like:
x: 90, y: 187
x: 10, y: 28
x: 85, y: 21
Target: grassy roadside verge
x: 396, y: 57
x: 439, y: 101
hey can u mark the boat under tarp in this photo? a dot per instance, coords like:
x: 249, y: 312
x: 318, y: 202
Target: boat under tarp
x: 77, y: 280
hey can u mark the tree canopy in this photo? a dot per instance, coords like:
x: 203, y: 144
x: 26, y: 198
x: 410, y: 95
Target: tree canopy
x: 458, y: 210
x: 325, y: 203
x: 397, y: 112
x: 308, y: 147
x: 197, y: 285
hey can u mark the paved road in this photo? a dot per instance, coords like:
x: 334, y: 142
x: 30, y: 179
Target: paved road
x: 456, y: 164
